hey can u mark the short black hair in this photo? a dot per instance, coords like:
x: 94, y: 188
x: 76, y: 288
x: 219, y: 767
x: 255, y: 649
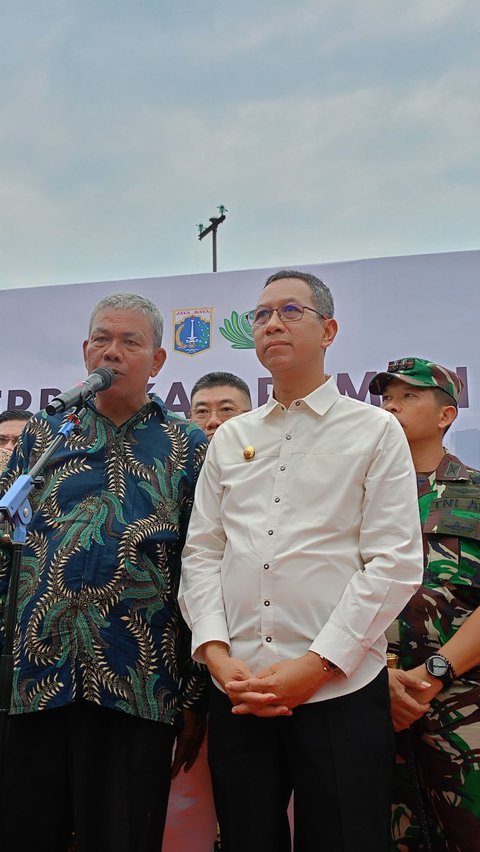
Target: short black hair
x: 15, y: 414
x: 215, y: 380
x: 321, y: 295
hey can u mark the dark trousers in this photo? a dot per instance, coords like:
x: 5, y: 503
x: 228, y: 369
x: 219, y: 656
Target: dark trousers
x: 337, y: 757
x: 101, y: 773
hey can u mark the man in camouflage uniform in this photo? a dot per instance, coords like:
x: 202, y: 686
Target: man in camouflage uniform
x: 435, y: 693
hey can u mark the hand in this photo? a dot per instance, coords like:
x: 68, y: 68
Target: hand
x: 435, y: 685
x: 233, y: 671
x: 227, y: 670
x: 189, y: 740
x: 224, y: 668
x: 408, y: 698
x: 279, y: 688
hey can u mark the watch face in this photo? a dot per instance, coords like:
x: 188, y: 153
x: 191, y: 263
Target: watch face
x: 437, y: 666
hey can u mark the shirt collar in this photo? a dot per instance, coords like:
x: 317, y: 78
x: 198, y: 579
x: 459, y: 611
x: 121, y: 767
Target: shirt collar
x: 320, y: 400
x: 151, y: 398
x: 159, y: 403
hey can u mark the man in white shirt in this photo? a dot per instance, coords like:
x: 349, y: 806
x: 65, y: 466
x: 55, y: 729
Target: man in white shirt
x: 191, y: 819
x: 303, y: 546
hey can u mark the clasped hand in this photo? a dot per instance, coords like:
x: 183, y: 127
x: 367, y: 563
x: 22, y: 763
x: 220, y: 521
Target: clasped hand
x: 275, y: 690
x: 410, y: 694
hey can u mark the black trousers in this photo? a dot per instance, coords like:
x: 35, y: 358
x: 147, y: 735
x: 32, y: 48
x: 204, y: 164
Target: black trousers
x: 337, y: 757
x: 101, y: 773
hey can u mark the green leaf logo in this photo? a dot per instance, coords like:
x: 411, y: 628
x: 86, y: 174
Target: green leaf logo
x: 238, y: 331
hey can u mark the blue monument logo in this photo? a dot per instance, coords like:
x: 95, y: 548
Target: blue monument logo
x: 192, y: 330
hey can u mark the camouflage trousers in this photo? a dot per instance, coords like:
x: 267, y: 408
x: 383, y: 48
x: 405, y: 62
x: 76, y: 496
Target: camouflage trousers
x: 437, y: 778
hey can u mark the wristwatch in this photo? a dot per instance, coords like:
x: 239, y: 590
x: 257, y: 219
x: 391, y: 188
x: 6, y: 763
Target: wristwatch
x: 438, y: 666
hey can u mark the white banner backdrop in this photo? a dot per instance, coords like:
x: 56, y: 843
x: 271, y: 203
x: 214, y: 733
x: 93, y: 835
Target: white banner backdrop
x: 424, y: 305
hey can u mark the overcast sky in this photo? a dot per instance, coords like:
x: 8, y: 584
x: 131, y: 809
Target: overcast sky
x: 330, y: 129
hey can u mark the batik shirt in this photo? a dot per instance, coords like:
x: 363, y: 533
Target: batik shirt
x: 97, y: 606
x: 449, y: 502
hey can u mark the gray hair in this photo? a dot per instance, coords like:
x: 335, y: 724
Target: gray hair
x: 132, y: 302
x: 322, y: 298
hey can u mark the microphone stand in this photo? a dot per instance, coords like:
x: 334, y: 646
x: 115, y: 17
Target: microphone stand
x: 14, y: 506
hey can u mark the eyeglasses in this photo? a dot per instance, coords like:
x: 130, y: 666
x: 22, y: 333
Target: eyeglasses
x: 201, y: 413
x: 287, y: 313
x: 8, y: 439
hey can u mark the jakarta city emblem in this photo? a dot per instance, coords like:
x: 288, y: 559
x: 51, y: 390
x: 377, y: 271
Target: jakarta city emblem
x: 192, y: 330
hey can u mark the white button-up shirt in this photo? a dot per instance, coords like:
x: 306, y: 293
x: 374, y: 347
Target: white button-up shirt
x: 312, y: 544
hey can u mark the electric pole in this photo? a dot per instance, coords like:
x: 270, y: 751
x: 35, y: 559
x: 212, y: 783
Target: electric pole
x: 212, y: 229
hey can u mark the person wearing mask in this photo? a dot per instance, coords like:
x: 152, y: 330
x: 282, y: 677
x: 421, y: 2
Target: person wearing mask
x: 12, y: 422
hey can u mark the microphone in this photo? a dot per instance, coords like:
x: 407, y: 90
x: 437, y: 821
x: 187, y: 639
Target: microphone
x: 100, y: 379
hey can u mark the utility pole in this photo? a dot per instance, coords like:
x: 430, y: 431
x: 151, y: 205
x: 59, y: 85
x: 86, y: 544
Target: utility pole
x: 212, y: 229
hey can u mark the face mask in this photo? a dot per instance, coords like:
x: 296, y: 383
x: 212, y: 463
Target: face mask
x: 4, y: 457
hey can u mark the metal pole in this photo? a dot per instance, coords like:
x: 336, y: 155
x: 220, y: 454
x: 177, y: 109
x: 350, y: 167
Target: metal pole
x: 214, y: 247
x: 212, y: 229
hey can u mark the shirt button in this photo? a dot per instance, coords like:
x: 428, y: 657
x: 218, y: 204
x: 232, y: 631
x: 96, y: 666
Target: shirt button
x: 266, y: 566
x: 282, y: 467
x: 268, y: 638
x: 277, y: 499
x: 266, y: 603
x: 297, y: 403
x: 288, y: 437
x: 270, y: 532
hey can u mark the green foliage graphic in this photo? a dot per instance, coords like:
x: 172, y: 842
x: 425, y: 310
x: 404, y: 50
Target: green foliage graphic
x: 238, y: 331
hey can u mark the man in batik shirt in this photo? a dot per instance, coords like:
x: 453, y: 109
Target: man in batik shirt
x: 436, y: 692
x: 102, y: 676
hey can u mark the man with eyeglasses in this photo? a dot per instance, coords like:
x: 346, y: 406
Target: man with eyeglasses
x: 217, y: 397
x: 191, y: 817
x: 303, y: 541
x: 12, y: 422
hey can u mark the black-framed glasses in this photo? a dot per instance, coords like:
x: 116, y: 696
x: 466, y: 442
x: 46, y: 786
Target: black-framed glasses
x: 8, y: 439
x: 287, y: 313
x: 202, y: 413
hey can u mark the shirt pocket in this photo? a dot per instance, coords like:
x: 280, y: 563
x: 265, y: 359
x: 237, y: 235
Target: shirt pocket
x: 452, y: 535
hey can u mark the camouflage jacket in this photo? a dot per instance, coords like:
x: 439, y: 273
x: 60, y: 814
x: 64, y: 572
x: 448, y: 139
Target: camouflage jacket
x: 449, y: 503
x: 97, y: 606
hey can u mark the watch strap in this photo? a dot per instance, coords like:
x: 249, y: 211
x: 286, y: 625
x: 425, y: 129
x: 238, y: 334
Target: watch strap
x: 449, y: 675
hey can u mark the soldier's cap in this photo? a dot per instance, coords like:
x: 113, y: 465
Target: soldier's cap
x: 421, y: 373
